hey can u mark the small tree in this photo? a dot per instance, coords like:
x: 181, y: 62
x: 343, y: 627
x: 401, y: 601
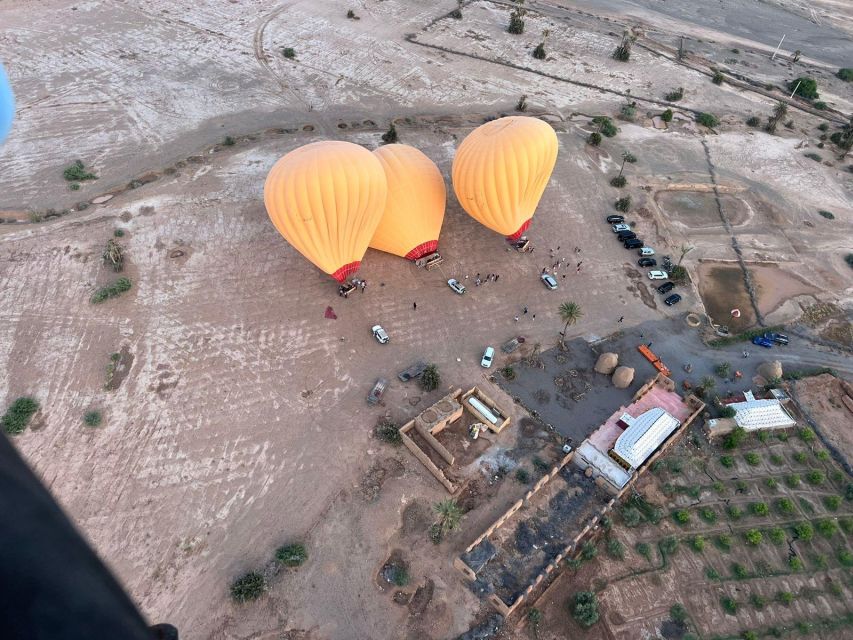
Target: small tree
x: 718, y: 77
x: 585, y: 608
x: 683, y: 250
x: 521, y: 105
x: 796, y: 56
x: 666, y: 116
x: 18, y: 415
x: 623, y: 204
x: 388, y: 431
x: 457, y: 12
x: 780, y: 110
x: 594, y: 139
x: 623, y: 50
x: 727, y: 412
x: 707, y: 120
x: 570, y: 313
x: 449, y: 515
x: 534, y: 617
x: 734, y: 438
x: 248, y: 587
x: 390, y: 136
x: 430, y: 378
x: 723, y: 369
x: 539, y: 52
x: 291, y: 555
x: 804, y: 87
x: 114, y: 255
x: 675, y: 95
x: 516, y: 21
x: 92, y: 418
x: 289, y: 53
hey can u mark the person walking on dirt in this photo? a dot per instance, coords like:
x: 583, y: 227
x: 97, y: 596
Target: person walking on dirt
x: 414, y: 306
x: 525, y: 309
x: 621, y: 318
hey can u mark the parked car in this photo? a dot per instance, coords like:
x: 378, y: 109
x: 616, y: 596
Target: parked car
x: 614, y: 219
x: 620, y: 227
x: 658, y: 275
x: 548, y: 280
x: 633, y: 243
x: 488, y: 356
x: 378, y: 390
x: 761, y: 341
x: 453, y: 283
x: 647, y: 262
x: 379, y: 334
x: 626, y: 235
x: 666, y: 287
x: 647, y: 251
x: 778, y: 338
x: 673, y: 299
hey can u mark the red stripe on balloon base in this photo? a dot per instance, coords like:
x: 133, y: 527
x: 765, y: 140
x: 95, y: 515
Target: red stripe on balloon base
x: 423, y: 249
x: 515, y: 236
x: 346, y: 271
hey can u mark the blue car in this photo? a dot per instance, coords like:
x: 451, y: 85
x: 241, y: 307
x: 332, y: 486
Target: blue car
x: 761, y: 341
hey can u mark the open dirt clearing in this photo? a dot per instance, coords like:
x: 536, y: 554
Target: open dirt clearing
x: 240, y: 421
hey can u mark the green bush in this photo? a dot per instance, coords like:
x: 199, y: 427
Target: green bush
x: 291, y: 555
x: 805, y: 87
x: 516, y: 22
x: 729, y: 605
x: 806, y: 434
x: 615, y: 549
x: 623, y: 204
x: 832, y: 502
x: 76, y: 172
x: 522, y: 476
x: 846, y: 524
x: 757, y: 600
x: 827, y: 214
x: 681, y: 516
x: 795, y: 563
x: 776, y: 535
x: 18, y: 415
x: 723, y: 369
x: 759, y: 509
x: 793, y: 480
x: 803, y: 531
x: 508, y: 372
x: 644, y: 550
x: 430, y: 378
x: 816, y: 477
x: 719, y: 487
x: 776, y: 459
x: 727, y: 461
x: 718, y: 77
x: 734, y: 512
x: 845, y: 74
x: 753, y: 121
x: 734, y: 438
x: 631, y: 516
x: 785, y: 597
x: 753, y: 537
x: 820, y: 105
x: 605, y: 126
x: 711, y: 573
x: 111, y: 291
x: 390, y: 136
x: 288, y: 52
x: 739, y: 571
x: 698, y: 544
x: 707, y: 120
x: 813, y: 156
x: 666, y: 116
x: 400, y: 575
x: 822, y: 455
x: 118, y: 233
x: 594, y: 139
x: 585, y: 608
x: 629, y: 157
x: 248, y: 587
x: 708, y: 514
x: 588, y: 550
x: 800, y: 456
x: 92, y: 418
x: 539, y: 51
x: 618, y: 182
x: 675, y: 95
x: 388, y: 431
x: 845, y: 557
x: 724, y: 542
x: 741, y: 486
x: 785, y: 506
x: 752, y: 459
x: 771, y: 483
x: 669, y: 545
x: 229, y: 141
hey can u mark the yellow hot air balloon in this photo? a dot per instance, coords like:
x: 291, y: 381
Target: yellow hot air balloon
x: 414, y: 209
x: 326, y: 199
x: 501, y: 169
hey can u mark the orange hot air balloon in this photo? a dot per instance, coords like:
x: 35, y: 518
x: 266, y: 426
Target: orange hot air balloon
x: 501, y: 169
x: 414, y: 209
x: 326, y: 199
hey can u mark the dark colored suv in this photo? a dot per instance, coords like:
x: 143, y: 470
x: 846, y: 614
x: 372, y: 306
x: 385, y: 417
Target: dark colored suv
x: 614, y: 219
x: 626, y: 235
x: 647, y: 262
x: 673, y: 299
x: 633, y: 243
x: 666, y: 287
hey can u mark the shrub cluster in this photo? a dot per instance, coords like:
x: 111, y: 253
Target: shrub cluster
x: 18, y: 415
x: 111, y: 291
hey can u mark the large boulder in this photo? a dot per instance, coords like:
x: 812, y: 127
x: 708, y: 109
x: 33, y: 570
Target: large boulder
x: 623, y: 377
x: 607, y: 363
x: 770, y: 369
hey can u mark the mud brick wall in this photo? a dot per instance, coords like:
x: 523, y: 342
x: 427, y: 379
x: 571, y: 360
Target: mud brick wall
x: 420, y: 455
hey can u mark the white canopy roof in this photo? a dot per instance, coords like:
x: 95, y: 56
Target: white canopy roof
x: 646, y: 433
x: 753, y: 415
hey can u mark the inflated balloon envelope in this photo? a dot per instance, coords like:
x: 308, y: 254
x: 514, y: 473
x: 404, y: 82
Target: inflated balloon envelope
x: 7, y: 105
x: 501, y: 170
x: 326, y: 199
x: 414, y: 209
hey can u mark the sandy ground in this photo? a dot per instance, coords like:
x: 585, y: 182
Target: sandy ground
x: 821, y: 398
x: 241, y: 423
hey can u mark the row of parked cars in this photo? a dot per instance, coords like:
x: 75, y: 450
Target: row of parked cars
x: 769, y: 339
x: 630, y: 240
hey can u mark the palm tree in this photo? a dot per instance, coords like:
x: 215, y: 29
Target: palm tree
x: 570, y: 312
x: 685, y: 249
x: 449, y: 514
x: 779, y: 112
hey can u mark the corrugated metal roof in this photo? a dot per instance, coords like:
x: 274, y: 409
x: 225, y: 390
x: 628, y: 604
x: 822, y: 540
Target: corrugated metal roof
x: 754, y: 415
x: 616, y: 475
x: 646, y: 434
